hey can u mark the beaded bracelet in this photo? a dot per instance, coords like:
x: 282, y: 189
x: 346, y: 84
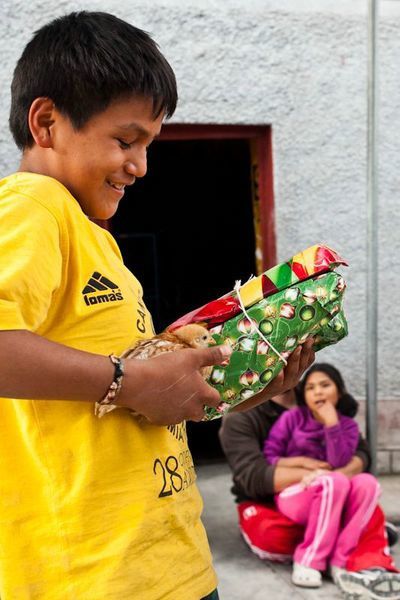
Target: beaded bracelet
x: 115, y: 386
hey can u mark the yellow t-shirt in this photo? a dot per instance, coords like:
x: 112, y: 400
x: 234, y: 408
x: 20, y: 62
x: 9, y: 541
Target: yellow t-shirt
x: 90, y: 509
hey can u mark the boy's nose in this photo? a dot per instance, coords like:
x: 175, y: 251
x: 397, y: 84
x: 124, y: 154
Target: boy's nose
x: 137, y: 165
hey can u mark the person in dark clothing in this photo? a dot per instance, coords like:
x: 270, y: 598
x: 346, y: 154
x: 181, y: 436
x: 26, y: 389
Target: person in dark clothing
x: 271, y: 535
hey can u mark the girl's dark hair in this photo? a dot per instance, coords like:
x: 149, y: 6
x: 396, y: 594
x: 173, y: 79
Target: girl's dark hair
x: 83, y: 61
x: 347, y: 405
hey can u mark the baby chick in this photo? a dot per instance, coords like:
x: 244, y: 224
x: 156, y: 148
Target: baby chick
x: 188, y: 336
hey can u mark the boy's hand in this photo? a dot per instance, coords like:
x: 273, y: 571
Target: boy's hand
x: 169, y: 388
x: 288, y: 378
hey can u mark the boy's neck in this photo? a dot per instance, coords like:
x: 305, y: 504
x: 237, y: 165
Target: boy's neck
x: 34, y: 161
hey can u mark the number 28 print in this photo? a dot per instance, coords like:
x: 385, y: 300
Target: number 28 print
x: 174, y: 475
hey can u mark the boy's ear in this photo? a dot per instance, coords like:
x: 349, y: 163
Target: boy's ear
x: 40, y: 119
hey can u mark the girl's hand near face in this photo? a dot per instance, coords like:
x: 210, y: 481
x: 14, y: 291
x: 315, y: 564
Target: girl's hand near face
x: 327, y: 414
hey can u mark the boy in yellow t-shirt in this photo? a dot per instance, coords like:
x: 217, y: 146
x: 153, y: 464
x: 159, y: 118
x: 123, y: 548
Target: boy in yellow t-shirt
x: 92, y: 508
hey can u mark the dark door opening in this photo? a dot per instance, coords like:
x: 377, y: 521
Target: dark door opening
x: 186, y: 231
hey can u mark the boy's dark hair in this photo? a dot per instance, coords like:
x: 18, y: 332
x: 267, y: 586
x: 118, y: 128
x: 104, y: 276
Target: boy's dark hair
x: 347, y: 405
x: 83, y: 61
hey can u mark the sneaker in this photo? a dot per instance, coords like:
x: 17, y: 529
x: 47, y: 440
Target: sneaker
x: 335, y: 571
x: 368, y: 584
x: 305, y: 576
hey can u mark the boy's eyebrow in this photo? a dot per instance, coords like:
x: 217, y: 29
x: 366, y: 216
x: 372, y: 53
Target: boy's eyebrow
x: 139, y: 129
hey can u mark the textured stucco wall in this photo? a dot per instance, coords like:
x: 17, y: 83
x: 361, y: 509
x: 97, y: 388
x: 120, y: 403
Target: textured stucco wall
x: 301, y: 67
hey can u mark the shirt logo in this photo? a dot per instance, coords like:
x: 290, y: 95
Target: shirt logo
x: 99, y: 289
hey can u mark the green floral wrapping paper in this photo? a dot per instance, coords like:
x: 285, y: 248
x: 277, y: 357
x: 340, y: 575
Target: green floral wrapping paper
x: 312, y: 307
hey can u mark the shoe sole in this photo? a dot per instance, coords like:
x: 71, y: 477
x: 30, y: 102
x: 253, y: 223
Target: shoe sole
x: 307, y: 585
x: 385, y: 587
x: 285, y: 559
x: 302, y: 577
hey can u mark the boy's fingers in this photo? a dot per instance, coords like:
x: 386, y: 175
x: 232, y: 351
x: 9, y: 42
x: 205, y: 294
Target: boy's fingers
x: 198, y: 415
x: 211, y: 398
x: 292, y: 369
x: 214, y: 355
x: 299, y: 361
x: 307, y: 356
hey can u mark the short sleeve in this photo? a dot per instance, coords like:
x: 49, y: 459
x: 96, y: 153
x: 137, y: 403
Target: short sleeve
x: 30, y: 261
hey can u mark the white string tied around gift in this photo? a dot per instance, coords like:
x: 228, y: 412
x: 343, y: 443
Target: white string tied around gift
x: 253, y: 326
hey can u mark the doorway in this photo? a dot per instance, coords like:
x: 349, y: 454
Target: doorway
x: 187, y: 232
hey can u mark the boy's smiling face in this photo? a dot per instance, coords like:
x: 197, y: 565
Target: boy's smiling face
x: 96, y: 162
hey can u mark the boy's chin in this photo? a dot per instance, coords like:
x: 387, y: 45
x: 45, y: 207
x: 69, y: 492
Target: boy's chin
x: 102, y: 215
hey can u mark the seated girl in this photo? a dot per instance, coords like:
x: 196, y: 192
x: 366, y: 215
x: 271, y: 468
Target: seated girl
x: 333, y: 508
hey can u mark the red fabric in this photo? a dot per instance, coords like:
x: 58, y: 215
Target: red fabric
x: 372, y: 549
x: 271, y: 532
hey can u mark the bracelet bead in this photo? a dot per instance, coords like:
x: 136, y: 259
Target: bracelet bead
x: 115, y: 386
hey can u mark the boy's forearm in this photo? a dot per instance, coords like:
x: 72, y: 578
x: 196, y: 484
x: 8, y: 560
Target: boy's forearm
x: 166, y: 389
x: 34, y: 367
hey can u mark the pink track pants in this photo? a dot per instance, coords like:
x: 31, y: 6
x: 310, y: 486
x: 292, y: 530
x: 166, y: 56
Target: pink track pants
x: 334, y: 511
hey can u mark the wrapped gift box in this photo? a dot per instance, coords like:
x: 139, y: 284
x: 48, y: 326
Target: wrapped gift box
x: 315, y: 260
x: 268, y: 317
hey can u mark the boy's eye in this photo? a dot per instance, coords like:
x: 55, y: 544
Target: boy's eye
x: 124, y: 145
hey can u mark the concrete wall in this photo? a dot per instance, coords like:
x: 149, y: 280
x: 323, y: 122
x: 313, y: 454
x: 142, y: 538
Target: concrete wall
x: 301, y: 67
